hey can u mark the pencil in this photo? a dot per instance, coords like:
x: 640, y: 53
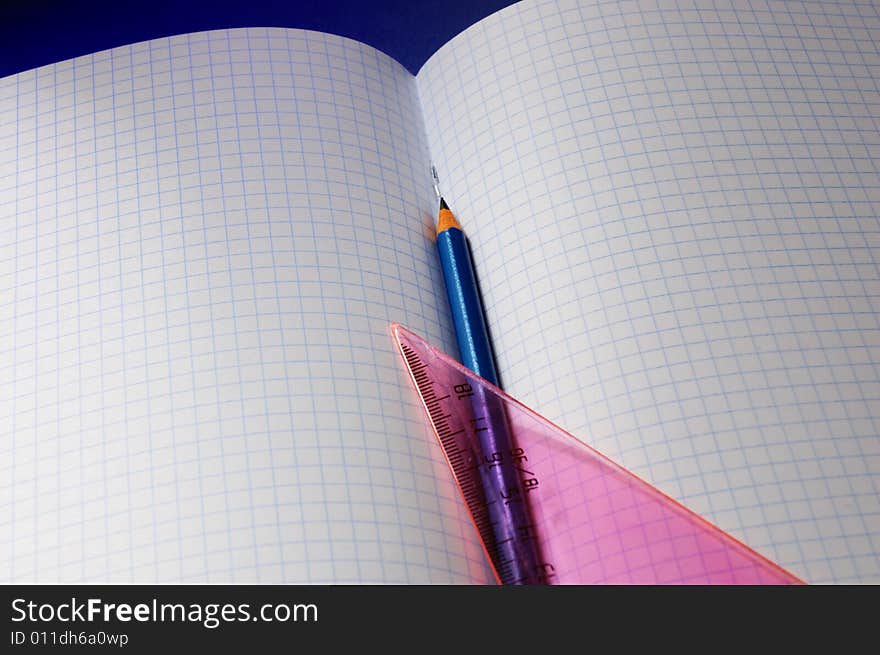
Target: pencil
x: 464, y: 296
x: 515, y: 547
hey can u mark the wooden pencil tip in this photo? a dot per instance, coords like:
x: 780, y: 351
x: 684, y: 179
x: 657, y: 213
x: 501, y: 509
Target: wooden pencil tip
x: 446, y: 219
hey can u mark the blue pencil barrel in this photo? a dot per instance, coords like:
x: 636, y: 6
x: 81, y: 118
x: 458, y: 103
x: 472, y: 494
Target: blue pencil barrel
x: 517, y: 554
x: 464, y: 300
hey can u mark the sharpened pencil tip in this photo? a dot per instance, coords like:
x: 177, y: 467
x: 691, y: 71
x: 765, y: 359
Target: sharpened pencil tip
x: 446, y: 219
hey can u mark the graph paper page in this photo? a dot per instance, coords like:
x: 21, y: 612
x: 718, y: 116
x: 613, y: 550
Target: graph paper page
x: 673, y: 209
x: 198, y: 377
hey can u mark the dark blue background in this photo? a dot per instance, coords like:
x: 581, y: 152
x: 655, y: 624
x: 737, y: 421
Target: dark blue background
x: 38, y: 32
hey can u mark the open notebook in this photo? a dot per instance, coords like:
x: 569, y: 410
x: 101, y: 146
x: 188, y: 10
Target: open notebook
x: 673, y: 209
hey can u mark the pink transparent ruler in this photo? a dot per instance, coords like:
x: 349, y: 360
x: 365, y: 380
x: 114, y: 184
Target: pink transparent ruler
x: 587, y: 520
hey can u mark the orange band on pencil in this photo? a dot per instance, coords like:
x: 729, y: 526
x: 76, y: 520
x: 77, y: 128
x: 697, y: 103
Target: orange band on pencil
x: 446, y: 220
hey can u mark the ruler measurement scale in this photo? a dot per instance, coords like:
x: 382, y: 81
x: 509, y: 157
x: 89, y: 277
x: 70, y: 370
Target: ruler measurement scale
x: 596, y: 522
x: 496, y: 498
x: 468, y: 485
